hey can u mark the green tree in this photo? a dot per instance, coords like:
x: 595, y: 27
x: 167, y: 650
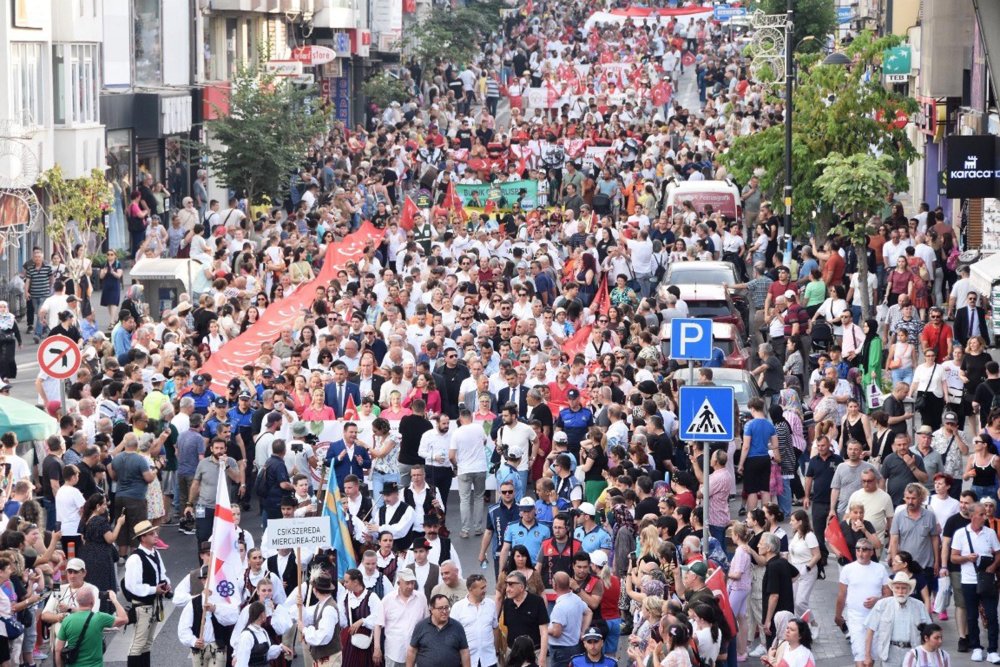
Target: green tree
x: 453, y: 35
x: 836, y: 110
x: 261, y: 140
x: 815, y: 18
x: 856, y: 186
x: 76, y: 207
x: 383, y: 88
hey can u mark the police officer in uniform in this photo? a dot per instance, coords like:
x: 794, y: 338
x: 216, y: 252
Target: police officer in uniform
x: 242, y: 444
x: 146, y: 584
x: 527, y: 531
x: 202, y: 395
x: 498, y: 517
x: 321, y: 623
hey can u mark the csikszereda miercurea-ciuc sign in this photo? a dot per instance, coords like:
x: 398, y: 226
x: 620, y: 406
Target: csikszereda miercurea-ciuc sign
x: 971, y: 166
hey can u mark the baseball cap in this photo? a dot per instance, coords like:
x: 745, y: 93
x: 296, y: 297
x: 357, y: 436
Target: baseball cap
x: 526, y: 503
x: 220, y: 402
x: 588, y: 509
x: 950, y: 417
x: 560, y: 436
x: 198, y: 379
x: 268, y: 373
x: 572, y: 393
x: 76, y: 564
x: 790, y: 294
x: 157, y: 377
x: 245, y: 395
x: 515, y: 453
x: 698, y: 568
x: 234, y: 384
x: 599, y: 558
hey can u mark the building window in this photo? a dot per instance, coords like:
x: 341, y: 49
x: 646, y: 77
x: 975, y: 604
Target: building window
x: 27, y: 89
x: 76, y: 76
x: 148, y: 43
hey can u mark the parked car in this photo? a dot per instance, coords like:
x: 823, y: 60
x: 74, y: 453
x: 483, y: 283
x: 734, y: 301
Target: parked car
x: 714, y: 302
x: 707, y: 274
x: 725, y: 336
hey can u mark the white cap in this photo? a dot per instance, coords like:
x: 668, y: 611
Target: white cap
x: 599, y: 558
x: 588, y: 509
x: 526, y: 503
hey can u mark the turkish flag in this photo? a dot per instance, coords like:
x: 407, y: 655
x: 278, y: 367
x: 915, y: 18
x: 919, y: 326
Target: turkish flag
x: 835, y: 538
x: 716, y: 582
x: 408, y: 218
x: 661, y: 93
x: 452, y: 202
x: 574, y: 344
x: 602, y: 301
x: 350, y: 410
x: 551, y: 95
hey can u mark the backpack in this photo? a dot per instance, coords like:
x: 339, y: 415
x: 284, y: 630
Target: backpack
x: 260, y: 487
x: 952, y: 261
x: 995, y: 403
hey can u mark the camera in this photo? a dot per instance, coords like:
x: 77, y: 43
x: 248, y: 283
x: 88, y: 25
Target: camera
x: 310, y: 439
x: 297, y: 447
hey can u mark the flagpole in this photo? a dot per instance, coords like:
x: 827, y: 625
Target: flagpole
x: 298, y: 563
x: 204, y: 613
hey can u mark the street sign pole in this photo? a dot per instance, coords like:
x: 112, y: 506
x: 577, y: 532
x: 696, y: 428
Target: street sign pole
x: 684, y: 345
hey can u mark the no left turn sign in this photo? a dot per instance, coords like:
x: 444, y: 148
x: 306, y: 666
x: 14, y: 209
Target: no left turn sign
x: 59, y: 357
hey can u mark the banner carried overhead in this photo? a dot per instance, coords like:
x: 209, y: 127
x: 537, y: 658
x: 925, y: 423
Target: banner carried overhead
x: 503, y: 195
x: 229, y: 360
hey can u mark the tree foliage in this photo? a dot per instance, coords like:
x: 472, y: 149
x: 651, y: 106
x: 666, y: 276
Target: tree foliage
x: 383, y: 88
x: 269, y: 126
x: 453, y: 35
x: 835, y: 110
x: 813, y: 18
x: 76, y: 207
x: 856, y: 185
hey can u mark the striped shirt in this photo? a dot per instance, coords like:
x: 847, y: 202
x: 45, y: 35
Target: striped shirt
x: 40, y: 278
x: 492, y: 87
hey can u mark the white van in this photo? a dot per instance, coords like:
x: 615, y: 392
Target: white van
x: 723, y: 196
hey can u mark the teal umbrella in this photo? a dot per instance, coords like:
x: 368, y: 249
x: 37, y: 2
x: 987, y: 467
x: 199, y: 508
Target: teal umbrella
x: 25, y: 420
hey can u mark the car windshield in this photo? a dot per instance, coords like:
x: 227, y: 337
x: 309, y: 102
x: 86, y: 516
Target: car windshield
x: 740, y: 389
x: 708, y: 308
x: 694, y: 275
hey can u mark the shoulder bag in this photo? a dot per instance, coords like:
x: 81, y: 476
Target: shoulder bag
x: 986, y: 582
x: 70, y: 654
x: 920, y: 402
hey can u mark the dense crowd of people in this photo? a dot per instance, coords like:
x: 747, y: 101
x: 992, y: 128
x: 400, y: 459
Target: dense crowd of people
x: 517, y: 344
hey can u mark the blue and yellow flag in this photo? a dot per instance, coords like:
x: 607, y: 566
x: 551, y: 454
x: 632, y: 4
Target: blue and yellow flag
x: 340, y: 530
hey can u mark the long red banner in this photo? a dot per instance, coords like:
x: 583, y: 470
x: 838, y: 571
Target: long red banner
x: 229, y: 361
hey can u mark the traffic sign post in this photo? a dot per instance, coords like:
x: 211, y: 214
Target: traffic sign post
x: 706, y: 414
x: 59, y: 357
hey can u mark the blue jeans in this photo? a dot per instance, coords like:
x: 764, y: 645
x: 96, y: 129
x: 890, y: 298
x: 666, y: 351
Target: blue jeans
x: 856, y: 313
x: 785, y: 499
x: 561, y: 655
x: 40, y: 322
x: 985, y: 491
x: 378, y: 479
x: 902, y: 375
x: 972, y: 601
x: 614, y: 634
x: 50, y: 513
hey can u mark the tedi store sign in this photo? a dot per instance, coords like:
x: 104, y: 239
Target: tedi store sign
x: 973, y: 172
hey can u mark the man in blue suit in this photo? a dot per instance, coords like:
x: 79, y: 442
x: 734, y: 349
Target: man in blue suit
x: 347, y: 457
x: 514, y: 392
x: 337, y: 391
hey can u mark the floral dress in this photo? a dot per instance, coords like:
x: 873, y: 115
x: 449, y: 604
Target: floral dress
x: 154, y: 495
x: 623, y: 296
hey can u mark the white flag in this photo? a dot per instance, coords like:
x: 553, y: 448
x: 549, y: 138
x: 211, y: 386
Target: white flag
x: 225, y: 575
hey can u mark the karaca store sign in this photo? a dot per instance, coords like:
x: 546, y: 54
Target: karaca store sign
x: 972, y: 166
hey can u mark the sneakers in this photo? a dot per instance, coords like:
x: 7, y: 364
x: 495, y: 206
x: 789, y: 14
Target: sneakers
x: 464, y: 534
x: 977, y: 655
x: 160, y: 544
x: 943, y: 616
x: 760, y: 650
x: 963, y: 644
x: 993, y: 658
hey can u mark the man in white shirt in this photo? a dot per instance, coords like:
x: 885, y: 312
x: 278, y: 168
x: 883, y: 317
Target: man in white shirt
x: 467, y: 453
x: 402, y: 609
x: 862, y: 583
x: 853, y: 339
x: 641, y: 252
x: 477, y: 613
x: 515, y: 434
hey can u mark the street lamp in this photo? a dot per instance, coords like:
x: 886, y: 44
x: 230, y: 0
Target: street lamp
x: 835, y: 58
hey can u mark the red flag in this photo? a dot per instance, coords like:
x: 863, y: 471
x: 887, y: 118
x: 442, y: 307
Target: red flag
x: 602, y: 302
x: 622, y: 81
x: 408, y: 217
x: 574, y: 344
x: 522, y: 163
x: 551, y: 95
x: 835, y: 538
x: 716, y: 582
x: 350, y: 410
x: 490, y: 206
x: 452, y: 202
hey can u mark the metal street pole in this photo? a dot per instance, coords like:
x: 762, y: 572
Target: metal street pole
x: 789, y: 81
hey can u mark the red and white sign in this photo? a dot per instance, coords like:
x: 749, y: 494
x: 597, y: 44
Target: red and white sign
x: 313, y: 54
x: 59, y: 357
x: 899, y: 121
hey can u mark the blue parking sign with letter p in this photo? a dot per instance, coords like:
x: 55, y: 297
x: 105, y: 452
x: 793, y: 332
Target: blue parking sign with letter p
x: 691, y: 339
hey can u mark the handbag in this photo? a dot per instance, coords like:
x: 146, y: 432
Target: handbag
x: 920, y: 402
x: 986, y: 582
x: 13, y: 627
x: 70, y: 654
x: 777, y: 484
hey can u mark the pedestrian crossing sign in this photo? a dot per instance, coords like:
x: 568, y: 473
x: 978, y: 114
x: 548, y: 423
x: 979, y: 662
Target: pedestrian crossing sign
x: 707, y: 414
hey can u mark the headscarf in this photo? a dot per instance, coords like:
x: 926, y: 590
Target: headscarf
x: 781, y: 620
x: 623, y: 519
x: 870, y: 337
x: 6, y: 319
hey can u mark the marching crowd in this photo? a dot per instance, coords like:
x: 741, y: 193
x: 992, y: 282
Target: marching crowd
x: 520, y: 345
